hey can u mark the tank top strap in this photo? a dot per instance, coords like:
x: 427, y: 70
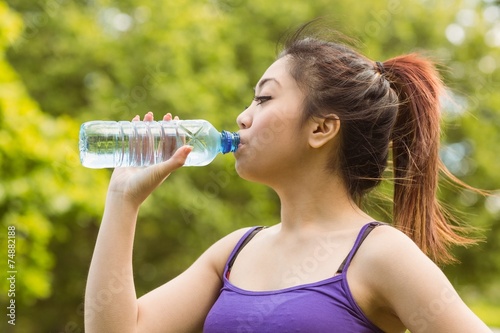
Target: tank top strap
x: 363, y: 233
x: 239, y: 246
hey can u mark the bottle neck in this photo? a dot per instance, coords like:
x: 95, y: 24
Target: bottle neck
x: 229, y: 141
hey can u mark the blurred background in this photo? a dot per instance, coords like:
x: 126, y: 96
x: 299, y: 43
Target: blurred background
x: 64, y: 62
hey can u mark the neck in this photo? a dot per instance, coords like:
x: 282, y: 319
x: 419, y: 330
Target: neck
x: 318, y: 202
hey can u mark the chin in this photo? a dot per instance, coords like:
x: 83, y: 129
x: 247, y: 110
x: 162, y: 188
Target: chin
x: 240, y: 170
x: 250, y: 173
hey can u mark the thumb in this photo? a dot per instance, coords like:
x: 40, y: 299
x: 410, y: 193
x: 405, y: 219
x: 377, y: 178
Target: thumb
x: 162, y: 170
x: 151, y: 177
x: 179, y: 158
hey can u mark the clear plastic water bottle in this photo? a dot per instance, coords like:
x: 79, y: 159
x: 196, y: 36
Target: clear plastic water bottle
x: 110, y: 144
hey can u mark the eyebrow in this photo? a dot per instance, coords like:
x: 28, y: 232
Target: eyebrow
x: 264, y: 81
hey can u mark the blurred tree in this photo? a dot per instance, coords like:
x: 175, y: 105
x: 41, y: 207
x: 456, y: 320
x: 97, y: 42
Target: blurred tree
x: 104, y: 59
x: 43, y: 191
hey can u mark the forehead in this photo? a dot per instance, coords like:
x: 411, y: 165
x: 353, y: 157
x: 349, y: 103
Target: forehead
x: 279, y: 67
x: 278, y: 73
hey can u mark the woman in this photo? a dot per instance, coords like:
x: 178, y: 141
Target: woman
x: 318, y: 132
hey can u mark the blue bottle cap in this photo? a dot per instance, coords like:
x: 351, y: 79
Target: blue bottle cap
x: 229, y: 141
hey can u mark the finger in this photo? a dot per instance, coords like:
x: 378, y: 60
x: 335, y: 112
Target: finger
x: 167, y: 117
x: 162, y: 170
x: 179, y: 158
x: 148, y: 116
x: 136, y: 118
x: 181, y: 155
x: 176, y: 118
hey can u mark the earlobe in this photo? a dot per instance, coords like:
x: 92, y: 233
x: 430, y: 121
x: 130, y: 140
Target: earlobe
x: 323, y: 130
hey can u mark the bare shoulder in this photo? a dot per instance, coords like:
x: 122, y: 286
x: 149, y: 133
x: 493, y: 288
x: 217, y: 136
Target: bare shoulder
x: 385, y: 239
x: 220, y: 251
x: 407, y: 285
x: 182, y: 304
x: 390, y: 248
x: 391, y: 258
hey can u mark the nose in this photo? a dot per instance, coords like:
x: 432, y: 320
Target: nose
x: 244, y: 120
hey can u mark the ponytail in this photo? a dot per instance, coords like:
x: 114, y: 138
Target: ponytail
x: 415, y: 152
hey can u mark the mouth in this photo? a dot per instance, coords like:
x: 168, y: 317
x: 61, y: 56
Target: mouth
x: 238, y: 150
x: 241, y: 142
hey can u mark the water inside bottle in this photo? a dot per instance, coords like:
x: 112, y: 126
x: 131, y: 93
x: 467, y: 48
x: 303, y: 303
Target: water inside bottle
x: 98, y: 143
x: 204, y: 139
x: 119, y: 144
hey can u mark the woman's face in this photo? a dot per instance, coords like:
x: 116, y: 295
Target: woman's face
x: 272, y: 137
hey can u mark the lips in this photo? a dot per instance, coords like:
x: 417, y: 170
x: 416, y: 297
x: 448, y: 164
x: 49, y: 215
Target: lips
x: 242, y: 141
x: 241, y: 144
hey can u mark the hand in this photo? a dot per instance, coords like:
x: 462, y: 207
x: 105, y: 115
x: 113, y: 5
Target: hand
x: 136, y: 184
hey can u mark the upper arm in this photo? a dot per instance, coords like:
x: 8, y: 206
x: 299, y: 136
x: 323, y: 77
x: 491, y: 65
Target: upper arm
x: 415, y: 289
x: 182, y: 304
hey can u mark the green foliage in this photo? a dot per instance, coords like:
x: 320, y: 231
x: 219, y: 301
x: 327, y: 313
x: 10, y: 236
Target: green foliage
x: 43, y: 190
x: 488, y: 313
x: 66, y: 62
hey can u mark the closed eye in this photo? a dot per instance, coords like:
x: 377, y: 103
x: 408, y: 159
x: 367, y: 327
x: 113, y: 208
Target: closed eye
x: 261, y: 99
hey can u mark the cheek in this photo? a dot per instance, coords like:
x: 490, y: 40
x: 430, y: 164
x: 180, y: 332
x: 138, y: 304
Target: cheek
x: 264, y: 138
x: 273, y: 142
x: 274, y: 127
x: 267, y: 157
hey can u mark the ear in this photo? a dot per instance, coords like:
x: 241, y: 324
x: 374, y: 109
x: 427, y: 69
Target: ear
x: 323, y: 130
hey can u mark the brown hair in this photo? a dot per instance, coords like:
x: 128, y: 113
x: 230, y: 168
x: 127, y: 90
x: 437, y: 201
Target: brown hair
x: 395, y: 102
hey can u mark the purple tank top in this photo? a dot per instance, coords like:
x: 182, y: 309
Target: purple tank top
x: 323, y: 306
